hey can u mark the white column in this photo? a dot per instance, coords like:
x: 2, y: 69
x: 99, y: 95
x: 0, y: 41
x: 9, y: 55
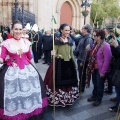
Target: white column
x: 10, y: 3
x: 36, y: 4
x: 0, y: 5
x: 5, y: 11
x: 31, y: 4
x: 1, y: 12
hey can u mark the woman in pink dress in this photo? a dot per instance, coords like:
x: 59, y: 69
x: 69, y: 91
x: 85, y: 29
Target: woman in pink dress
x: 22, y: 91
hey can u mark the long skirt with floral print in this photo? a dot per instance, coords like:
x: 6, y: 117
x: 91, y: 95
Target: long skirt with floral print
x: 66, y: 83
x: 22, y: 94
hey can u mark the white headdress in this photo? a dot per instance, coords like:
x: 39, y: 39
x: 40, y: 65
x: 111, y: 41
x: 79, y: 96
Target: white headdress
x: 35, y: 28
x: 28, y: 26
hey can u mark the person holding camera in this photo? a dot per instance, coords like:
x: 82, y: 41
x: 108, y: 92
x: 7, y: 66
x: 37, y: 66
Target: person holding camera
x: 115, y: 47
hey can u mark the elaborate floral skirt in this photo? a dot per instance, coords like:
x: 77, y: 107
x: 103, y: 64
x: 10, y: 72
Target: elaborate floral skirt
x: 22, y: 94
x: 66, y: 83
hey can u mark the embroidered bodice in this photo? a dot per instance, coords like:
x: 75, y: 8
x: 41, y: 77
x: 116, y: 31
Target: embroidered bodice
x: 16, y: 53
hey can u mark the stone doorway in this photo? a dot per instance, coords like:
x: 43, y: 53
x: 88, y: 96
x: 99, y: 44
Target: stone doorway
x: 66, y: 14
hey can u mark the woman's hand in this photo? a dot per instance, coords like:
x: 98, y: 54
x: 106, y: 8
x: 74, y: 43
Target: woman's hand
x: 102, y: 75
x: 53, y: 52
x: 81, y: 64
x: 114, y: 43
x: 88, y: 47
x: 1, y: 61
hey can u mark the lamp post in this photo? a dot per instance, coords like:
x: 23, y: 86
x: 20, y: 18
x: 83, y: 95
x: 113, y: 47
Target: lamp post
x: 86, y: 3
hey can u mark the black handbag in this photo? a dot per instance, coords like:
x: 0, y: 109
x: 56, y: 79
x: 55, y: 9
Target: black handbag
x: 76, y: 52
x: 116, y: 78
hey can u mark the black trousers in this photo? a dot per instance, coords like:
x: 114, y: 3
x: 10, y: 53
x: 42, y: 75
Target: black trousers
x: 47, y: 54
x: 35, y: 52
x: 109, y: 78
x: 39, y: 51
x: 82, y: 75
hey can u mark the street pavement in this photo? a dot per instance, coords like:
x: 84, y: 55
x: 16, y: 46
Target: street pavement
x: 81, y: 110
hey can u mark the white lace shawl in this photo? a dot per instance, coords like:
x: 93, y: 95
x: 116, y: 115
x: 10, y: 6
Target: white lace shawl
x: 12, y: 48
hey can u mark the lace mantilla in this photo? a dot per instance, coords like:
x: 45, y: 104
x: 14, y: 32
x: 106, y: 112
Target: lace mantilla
x: 22, y: 94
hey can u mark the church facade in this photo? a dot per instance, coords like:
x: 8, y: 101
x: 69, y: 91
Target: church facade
x: 64, y: 11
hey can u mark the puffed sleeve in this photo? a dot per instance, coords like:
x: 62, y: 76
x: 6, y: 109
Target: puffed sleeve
x: 29, y: 55
x: 4, y: 52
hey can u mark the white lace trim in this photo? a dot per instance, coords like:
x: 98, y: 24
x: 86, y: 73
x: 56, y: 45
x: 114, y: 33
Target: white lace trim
x: 23, y: 73
x: 12, y: 48
x: 21, y: 95
x: 29, y: 110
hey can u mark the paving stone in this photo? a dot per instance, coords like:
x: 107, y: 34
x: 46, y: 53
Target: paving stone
x: 86, y: 107
x: 83, y: 102
x: 63, y: 118
x: 103, y: 116
x: 81, y: 115
x: 75, y: 105
x: 99, y: 110
x: 112, y: 118
x: 48, y: 116
x: 78, y: 110
x: 81, y: 110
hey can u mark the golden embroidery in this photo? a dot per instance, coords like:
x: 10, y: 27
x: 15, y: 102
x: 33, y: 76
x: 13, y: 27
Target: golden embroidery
x: 20, y: 51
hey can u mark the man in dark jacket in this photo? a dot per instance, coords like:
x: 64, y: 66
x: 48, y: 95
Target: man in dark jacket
x: 35, y: 40
x: 115, y: 47
x: 40, y: 45
x: 47, y: 46
x: 83, y: 43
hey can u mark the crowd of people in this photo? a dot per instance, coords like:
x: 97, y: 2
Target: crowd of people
x: 94, y: 54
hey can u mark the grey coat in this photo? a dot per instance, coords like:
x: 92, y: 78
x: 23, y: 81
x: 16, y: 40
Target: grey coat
x: 81, y: 46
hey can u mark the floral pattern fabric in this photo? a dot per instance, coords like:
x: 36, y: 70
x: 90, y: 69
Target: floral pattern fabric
x: 22, y: 90
x: 62, y: 97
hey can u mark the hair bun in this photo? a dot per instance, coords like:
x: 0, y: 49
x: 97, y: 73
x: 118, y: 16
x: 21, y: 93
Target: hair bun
x: 15, y: 21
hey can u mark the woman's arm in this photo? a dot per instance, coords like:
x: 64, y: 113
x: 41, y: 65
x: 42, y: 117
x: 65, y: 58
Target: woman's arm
x: 3, y: 54
x: 107, y: 55
x: 30, y: 58
x: 29, y: 55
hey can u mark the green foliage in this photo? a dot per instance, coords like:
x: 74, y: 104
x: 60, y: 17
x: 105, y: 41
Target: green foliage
x: 104, y: 9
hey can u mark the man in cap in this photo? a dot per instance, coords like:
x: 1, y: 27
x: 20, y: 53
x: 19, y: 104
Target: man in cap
x: 84, y: 43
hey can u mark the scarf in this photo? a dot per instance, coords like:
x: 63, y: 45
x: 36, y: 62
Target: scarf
x: 91, y: 63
